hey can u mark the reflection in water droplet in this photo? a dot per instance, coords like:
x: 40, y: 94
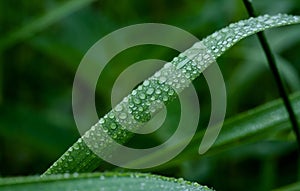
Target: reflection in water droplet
x: 113, y: 126
x: 146, y: 83
x: 123, y: 116
x: 142, y: 96
x: 118, y: 108
x: 162, y: 79
x: 136, y: 101
x: 111, y: 115
x: 101, y: 121
x: 150, y: 91
x: 158, y: 91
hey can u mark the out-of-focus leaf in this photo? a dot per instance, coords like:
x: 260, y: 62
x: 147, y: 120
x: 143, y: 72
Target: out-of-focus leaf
x: 255, y: 124
x: 34, y: 129
x: 43, y: 22
x: 291, y: 187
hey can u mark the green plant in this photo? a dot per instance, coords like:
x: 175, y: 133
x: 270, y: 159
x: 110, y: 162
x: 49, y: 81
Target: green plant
x: 79, y: 158
x: 242, y: 129
x: 102, y: 181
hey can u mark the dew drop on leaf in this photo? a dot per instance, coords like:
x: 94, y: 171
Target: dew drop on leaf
x: 123, y: 116
x: 113, y: 126
x: 150, y: 91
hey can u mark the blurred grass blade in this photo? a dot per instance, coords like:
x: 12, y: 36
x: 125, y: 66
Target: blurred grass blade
x: 193, y: 61
x: 254, y: 124
x: 291, y: 187
x: 99, y: 181
x: 43, y: 22
x: 27, y: 126
x: 255, y: 66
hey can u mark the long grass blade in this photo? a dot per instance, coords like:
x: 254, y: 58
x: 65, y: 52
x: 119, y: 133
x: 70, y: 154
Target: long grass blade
x: 79, y: 158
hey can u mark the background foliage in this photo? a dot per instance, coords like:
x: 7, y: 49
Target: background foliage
x: 37, y: 70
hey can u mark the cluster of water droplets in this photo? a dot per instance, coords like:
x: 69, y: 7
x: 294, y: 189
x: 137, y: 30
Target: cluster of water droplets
x: 220, y: 41
x: 147, y: 182
x: 114, y: 181
x: 146, y: 100
x: 73, y: 160
x: 138, y: 108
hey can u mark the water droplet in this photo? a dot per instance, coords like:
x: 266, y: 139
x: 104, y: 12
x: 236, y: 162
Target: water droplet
x: 134, y: 92
x: 165, y: 98
x: 123, y: 116
x: 101, y: 121
x: 162, y: 79
x: 215, y: 34
x: 142, y: 96
x: 136, y: 101
x: 150, y: 91
x: 140, y: 109
x: 140, y: 88
x: 118, y: 108
x: 146, y: 83
x: 105, y: 130
x: 157, y: 74
x: 76, y: 146
x: 111, y: 115
x: 166, y: 88
x: 171, y: 92
x: 113, y: 126
x: 131, y: 105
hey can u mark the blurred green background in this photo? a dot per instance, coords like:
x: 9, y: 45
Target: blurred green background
x: 39, y: 56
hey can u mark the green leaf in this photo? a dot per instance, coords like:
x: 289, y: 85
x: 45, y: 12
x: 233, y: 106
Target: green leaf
x: 41, y: 23
x: 252, y: 125
x: 99, y: 181
x: 190, y: 64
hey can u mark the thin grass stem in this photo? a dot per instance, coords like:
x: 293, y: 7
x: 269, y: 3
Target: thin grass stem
x: 274, y: 69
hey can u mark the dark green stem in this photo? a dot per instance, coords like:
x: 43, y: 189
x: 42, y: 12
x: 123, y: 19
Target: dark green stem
x: 1, y: 77
x: 272, y: 64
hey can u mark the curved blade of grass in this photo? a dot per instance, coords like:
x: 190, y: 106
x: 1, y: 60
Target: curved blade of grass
x: 80, y: 158
x: 43, y: 22
x: 99, y: 181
